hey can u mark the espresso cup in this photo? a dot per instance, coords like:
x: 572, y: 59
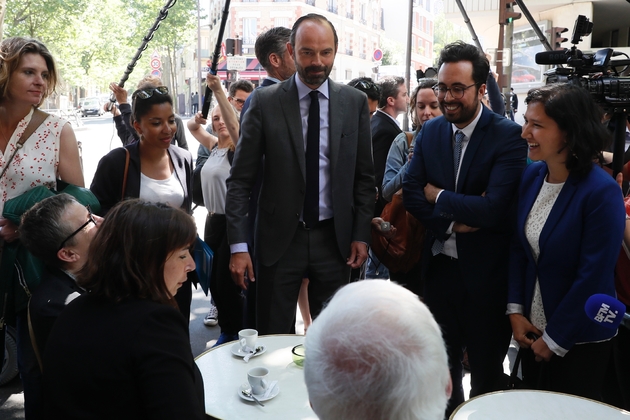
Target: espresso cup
x: 247, y: 339
x: 257, y: 378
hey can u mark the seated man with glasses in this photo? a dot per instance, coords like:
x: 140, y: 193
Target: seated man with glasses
x: 58, y: 230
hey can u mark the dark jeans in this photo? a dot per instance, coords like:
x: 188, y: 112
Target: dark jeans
x: 580, y: 372
x: 481, y: 328
x: 617, y: 382
x: 226, y: 294
x: 411, y: 280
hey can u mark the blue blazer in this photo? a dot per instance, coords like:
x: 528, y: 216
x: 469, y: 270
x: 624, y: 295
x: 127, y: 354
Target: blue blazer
x: 493, y: 163
x: 579, y: 246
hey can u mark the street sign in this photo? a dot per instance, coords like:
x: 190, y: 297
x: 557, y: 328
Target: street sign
x: 156, y: 73
x: 378, y: 54
x: 237, y: 62
x: 156, y: 63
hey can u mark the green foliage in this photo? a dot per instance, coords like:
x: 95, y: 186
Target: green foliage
x: 393, y: 52
x: 445, y: 32
x: 93, y: 42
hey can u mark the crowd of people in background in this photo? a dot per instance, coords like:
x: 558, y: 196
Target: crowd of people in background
x: 515, y: 227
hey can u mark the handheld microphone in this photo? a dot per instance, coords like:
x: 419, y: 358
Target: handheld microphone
x: 605, y: 310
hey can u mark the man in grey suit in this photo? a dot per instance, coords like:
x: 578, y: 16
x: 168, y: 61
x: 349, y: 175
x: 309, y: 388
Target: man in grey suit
x: 317, y: 196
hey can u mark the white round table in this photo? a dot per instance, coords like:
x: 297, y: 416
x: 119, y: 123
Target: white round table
x: 539, y: 405
x: 224, y: 373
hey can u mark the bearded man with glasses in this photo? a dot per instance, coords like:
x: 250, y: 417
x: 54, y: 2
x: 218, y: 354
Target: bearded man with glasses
x: 461, y: 184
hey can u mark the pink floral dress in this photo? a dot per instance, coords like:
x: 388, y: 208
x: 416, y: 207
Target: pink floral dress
x: 36, y: 163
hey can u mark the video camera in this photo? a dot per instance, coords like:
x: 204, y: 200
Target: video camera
x: 593, y: 71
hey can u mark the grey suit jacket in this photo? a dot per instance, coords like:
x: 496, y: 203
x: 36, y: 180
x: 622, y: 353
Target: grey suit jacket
x: 272, y: 128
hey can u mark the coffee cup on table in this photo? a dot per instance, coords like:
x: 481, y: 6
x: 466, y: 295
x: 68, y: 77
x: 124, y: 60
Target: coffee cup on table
x: 247, y: 339
x: 257, y: 378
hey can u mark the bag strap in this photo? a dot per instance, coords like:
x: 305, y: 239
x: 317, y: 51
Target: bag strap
x: 409, y: 138
x: 124, y: 183
x: 31, y: 333
x: 514, y: 374
x: 36, y: 120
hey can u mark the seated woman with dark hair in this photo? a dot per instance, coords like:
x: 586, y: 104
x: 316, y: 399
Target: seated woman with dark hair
x: 122, y: 350
x: 570, y: 225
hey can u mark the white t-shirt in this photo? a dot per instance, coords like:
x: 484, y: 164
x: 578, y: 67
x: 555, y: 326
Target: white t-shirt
x: 169, y: 191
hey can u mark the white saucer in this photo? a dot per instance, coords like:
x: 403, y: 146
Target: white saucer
x: 237, y: 351
x: 246, y: 387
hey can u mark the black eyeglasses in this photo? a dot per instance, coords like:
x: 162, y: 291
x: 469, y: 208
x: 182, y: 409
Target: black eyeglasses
x: 90, y: 220
x: 457, y: 92
x: 147, y: 93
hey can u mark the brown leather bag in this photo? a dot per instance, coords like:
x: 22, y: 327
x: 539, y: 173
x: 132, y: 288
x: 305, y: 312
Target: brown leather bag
x: 401, y: 253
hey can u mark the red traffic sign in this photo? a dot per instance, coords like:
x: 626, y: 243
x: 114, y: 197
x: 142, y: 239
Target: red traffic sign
x: 209, y: 63
x: 156, y: 73
x: 378, y: 54
x: 156, y: 63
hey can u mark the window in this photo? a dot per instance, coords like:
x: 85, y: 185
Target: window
x: 363, y: 49
x: 363, y: 10
x: 348, y: 44
x: 348, y: 74
x: 332, y: 6
x: 250, y: 31
x: 349, y: 10
x: 281, y: 21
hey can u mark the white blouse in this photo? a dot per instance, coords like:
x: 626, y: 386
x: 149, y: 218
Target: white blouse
x: 534, y: 224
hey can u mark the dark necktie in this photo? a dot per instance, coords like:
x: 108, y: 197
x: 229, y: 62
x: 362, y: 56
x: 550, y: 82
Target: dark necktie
x: 457, y: 151
x: 311, y: 200
x: 438, y: 245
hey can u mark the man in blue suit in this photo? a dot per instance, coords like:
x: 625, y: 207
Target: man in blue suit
x: 461, y: 184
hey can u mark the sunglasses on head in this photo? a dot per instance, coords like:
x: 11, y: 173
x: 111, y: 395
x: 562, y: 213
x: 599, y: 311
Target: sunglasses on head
x: 147, y: 93
x: 365, y: 85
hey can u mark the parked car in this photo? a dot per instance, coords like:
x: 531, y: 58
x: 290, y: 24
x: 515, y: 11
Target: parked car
x: 91, y: 106
x: 522, y: 76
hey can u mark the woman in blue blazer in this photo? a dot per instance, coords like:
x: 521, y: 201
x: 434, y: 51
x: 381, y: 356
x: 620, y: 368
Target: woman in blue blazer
x: 570, y: 226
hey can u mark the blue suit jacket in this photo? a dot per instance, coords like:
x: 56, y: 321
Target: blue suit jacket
x: 493, y: 163
x: 579, y: 246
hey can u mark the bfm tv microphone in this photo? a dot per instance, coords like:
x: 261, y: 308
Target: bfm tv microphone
x: 605, y: 310
x: 552, y: 57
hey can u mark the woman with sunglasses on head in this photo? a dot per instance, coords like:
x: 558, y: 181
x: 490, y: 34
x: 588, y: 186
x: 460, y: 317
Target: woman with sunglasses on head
x: 121, y: 350
x: 28, y: 75
x: 570, y: 225
x: 423, y: 106
x: 152, y: 169
x: 123, y: 119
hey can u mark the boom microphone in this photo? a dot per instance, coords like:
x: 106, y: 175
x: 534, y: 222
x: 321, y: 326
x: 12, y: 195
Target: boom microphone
x: 552, y: 57
x: 605, y: 310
